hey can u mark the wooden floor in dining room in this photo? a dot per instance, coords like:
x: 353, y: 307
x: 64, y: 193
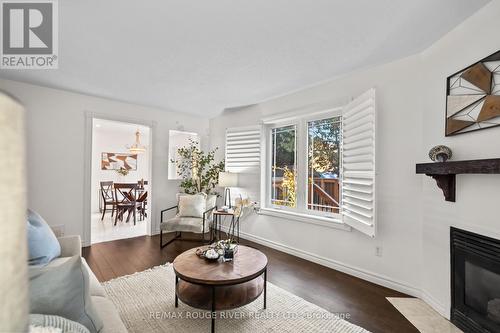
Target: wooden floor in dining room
x: 332, y: 290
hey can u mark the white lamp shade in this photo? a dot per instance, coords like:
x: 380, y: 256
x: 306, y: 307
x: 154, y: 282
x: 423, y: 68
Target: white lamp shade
x: 228, y: 179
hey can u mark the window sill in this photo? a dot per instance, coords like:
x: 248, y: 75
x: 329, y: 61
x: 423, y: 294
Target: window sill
x: 305, y: 218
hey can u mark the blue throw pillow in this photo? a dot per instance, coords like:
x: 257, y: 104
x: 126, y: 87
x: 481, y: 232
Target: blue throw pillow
x: 42, y: 243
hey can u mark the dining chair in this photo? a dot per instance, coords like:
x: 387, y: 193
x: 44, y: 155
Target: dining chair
x: 143, y: 200
x: 108, y: 197
x: 126, y: 201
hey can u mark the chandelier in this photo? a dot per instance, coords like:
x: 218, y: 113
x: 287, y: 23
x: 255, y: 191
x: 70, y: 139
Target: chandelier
x: 137, y: 147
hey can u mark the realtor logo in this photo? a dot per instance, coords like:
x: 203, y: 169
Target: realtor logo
x: 29, y: 34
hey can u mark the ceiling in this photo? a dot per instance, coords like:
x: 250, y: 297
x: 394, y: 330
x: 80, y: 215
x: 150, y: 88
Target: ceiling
x: 204, y: 56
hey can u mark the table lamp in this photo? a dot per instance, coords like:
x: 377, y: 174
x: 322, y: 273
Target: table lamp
x: 227, y: 180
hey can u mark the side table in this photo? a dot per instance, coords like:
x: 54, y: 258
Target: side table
x: 234, y: 227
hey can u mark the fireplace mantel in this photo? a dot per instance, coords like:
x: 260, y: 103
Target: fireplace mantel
x: 445, y: 172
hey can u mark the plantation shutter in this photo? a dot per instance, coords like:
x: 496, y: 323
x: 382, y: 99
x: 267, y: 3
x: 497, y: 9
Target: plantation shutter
x: 358, y: 163
x: 243, y: 149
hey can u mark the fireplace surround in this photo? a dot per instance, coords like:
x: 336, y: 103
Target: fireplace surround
x: 475, y: 282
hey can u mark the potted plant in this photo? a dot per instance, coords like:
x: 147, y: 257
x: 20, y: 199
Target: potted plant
x: 122, y: 172
x: 199, y: 170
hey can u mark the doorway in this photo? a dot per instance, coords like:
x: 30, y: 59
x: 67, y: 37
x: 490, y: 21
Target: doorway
x: 120, y: 180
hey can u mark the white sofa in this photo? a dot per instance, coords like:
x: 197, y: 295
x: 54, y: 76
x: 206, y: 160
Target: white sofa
x: 71, y: 246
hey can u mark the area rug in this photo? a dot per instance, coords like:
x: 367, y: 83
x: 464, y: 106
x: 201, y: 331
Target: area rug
x: 145, y: 301
x: 422, y: 316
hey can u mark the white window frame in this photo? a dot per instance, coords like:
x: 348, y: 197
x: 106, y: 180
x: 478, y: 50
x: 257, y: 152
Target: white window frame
x: 300, y: 212
x: 358, y: 169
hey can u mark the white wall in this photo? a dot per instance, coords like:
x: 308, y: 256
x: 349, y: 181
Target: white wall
x: 55, y: 147
x: 413, y: 218
x: 113, y: 137
x: 477, y: 196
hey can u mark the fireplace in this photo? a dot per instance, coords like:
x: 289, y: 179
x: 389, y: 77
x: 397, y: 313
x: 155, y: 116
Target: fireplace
x: 475, y: 282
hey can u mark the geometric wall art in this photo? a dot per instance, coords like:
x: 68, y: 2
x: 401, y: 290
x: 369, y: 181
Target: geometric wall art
x: 116, y: 161
x: 473, y: 97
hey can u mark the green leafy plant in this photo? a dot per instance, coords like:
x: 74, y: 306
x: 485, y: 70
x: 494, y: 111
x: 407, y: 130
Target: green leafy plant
x: 199, y: 170
x: 122, y: 171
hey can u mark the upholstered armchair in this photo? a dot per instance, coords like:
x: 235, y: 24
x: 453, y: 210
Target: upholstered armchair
x: 193, y: 213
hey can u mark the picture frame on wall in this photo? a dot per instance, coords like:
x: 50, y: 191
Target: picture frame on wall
x: 473, y: 97
x: 117, y: 161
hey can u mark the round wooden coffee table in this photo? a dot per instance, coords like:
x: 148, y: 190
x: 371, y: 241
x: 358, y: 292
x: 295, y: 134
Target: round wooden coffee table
x: 216, y: 285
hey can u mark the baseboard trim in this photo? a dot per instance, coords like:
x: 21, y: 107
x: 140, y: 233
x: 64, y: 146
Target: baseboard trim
x: 334, y: 264
x: 438, y: 306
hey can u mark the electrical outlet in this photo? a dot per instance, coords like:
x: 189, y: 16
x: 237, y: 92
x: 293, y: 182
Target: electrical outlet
x: 378, y: 251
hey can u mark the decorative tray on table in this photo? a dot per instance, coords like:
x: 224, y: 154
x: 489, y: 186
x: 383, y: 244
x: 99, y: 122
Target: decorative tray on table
x: 224, y: 249
x: 209, y: 254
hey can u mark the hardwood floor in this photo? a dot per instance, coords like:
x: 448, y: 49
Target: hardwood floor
x: 332, y: 290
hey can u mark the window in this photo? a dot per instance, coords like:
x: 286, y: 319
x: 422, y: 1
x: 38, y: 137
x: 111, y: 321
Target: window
x: 313, y: 144
x: 323, y: 164
x: 283, y: 166
x: 176, y: 140
x: 320, y: 167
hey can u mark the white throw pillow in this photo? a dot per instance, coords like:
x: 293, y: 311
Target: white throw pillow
x: 63, y: 290
x: 192, y: 205
x: 211, y: 201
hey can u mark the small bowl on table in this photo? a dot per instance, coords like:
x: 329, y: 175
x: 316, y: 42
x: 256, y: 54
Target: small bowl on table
x: 209, y: 254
